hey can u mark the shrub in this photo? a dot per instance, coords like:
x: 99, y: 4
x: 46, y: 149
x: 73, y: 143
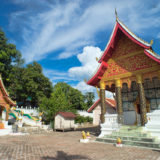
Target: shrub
x: 82, y: 119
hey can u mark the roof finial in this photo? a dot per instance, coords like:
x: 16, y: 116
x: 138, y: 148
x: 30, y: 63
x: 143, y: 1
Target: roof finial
x: 85, y: 80
x: 116, y: 14
x: 97, y: 59
x: 151, y: 42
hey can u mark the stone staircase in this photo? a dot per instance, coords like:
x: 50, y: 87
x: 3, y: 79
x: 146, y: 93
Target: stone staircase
x: 134, y: 136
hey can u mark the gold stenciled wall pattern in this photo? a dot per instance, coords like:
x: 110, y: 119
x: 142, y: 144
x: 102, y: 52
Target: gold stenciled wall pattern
x: 127, y: 57
x: 125, y: 46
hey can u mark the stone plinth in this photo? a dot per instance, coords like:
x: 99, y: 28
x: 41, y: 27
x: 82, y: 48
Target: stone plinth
x: 110, y: 125
x: 153, y: 124
x: 84, y: 140
x: 7, y: 129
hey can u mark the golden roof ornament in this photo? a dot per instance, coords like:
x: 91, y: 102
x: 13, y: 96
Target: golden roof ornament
x: 116, y: 14
x: 97, y: 59
x: 151, y: 42
x: 85, y: 80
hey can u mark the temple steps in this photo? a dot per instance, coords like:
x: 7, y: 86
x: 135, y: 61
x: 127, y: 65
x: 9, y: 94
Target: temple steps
x: 141, y: 139
x: 151, y: 145
x: 133, y: 136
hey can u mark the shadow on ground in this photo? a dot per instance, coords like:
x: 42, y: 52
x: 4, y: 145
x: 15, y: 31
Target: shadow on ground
x: 95, y: 130
x: 64, y: 156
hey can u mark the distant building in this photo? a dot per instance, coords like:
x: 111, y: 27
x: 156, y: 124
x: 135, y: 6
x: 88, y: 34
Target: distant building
x: 96, y: 109
x: 64, y: 121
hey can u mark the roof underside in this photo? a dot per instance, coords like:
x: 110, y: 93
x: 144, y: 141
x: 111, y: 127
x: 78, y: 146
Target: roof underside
x: 110, y: 102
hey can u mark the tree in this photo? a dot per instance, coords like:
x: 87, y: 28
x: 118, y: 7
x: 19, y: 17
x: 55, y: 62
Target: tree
x: 23, y: 83
x: 63, y: 98
x: 89, y: 97
x: 75, y: 97
x: 36, y: 85
x: 29, y: 84
x: 57, y: 102
x: 9, y: 58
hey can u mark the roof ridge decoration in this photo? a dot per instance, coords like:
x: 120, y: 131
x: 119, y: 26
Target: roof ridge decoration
x: 135, y: 36
x: 123, y: 26
x: 153, y: 55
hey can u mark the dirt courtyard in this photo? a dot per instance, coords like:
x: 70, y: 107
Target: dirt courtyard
x: 66, y: 146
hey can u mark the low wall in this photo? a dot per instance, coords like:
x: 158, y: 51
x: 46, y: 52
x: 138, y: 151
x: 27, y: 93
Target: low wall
x: 85, y: 114
x: 29, y: 110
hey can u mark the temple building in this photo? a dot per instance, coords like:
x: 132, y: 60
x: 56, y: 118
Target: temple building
x: 96, y: 109
x: 5, y: 101
x: 130, y: 69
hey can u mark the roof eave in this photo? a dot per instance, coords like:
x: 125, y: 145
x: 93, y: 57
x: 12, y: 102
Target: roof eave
x: 97, y: 76
x: 152, y: 55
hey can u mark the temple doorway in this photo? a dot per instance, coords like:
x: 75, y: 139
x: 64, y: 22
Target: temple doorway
x: 138, y: 114
x: 129, y: 117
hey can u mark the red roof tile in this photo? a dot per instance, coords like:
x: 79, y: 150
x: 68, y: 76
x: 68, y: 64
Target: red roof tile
x: 109, y: 101
x: 67, y: 114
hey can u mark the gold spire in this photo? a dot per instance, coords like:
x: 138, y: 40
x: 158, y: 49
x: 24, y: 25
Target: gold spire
x: 97, y: 59
x: 116, y: 14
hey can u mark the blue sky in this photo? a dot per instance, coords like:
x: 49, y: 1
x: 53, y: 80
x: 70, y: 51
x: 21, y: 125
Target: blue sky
x: 65, y: 36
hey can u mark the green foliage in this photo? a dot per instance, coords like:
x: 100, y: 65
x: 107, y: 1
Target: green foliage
x: 9, y: 58
x: 81, y: 119
x: 89, y: 99
x: 29, y: 84
x: 74, y: 97
x: 22, y: 82
x: 63, y: 98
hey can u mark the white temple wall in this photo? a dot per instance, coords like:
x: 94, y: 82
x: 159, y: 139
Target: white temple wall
x: 97, y: 113
x: 62, y: 123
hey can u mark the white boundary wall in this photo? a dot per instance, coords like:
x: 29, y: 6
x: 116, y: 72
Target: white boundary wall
x: 85, y: 114
x: 29, y: 110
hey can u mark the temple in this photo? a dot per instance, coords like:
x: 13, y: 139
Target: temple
x: 130, y: 69
x: 5, y: 100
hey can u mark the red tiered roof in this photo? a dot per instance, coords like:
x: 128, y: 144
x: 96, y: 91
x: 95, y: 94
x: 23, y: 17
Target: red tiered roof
x: 109, y: 101
x: 119, y: 28
x: 5, y: 94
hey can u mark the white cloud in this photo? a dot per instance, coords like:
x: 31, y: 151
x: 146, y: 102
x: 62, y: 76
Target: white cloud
x: 56, y: 75
x: 83, y: 87
x: 58, y: 26
x: 88, y: 65
x: 88, y: 61
x: 158, y: 36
